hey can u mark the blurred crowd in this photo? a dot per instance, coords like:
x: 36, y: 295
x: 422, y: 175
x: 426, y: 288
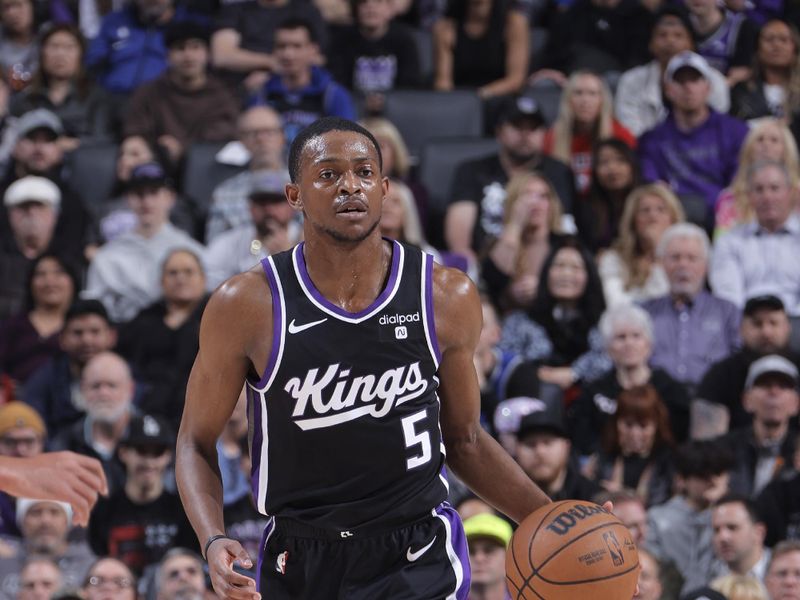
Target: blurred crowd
x: 623, y: 193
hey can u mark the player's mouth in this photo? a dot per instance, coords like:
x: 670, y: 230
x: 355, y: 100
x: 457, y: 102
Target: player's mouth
x: 352, y: 208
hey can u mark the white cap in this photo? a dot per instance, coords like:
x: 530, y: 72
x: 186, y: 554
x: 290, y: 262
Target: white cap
x: 32, y: 189
x: 771, y: 363
x: 687, y: 59
x: 24, y: 504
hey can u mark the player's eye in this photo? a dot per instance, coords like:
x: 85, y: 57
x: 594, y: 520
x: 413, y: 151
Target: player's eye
x: 366, y: 172
x: 326, y: 175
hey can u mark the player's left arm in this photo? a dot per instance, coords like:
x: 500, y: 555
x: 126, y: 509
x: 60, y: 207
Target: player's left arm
x: 472, y: 453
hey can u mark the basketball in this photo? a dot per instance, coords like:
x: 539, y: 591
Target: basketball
x: 569, y: 550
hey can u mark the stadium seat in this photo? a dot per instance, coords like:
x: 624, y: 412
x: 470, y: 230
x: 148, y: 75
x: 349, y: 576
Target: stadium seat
x: 202, y: 172
x: 439, y: 159
x: 422, y: 115
x: 91, y: 171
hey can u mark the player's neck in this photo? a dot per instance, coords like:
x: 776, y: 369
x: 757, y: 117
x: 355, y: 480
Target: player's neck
x: 350, y: 276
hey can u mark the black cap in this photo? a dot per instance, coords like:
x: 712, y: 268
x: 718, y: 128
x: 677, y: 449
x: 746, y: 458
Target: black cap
x: 182, y: 31
x: 148, y: 175
x: 546, y: 417
x: 764, y: 302
x: 519, y: 108
x: 704, y: 593
x: 148, y: 430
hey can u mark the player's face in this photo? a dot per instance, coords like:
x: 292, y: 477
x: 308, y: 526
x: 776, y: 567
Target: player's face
x: 45, y: 527
x: 487, y: 559
x: 567, y: 276
x: 543, y: 456
x: 783, y: 578
x: 181, y: 577
x: 340, y: 188
x: 39, y: 581
x: 773, y: 400
x: 110, y: 579
x: 634, y: 517
x: 685, y: 263
x: 771, y: 196
x: 735, y: 536
x: 86, y: 336
x: 649, y: 582
x: 766, y: 331
x: 629, y: 346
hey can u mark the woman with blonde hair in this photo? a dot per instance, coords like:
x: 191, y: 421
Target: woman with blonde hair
x: 532, y: 225
x: 770, y: 140
x: 740, y: 587
x: 629, y: 270
x: 585, y: 116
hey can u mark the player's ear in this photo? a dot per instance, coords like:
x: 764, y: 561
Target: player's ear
x: 293, y: 196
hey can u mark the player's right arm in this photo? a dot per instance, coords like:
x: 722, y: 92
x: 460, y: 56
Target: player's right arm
x: 234, y: 334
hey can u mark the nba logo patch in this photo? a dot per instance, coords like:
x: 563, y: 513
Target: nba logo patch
x: 613, y: 548
x: 280, y: 564
x: 401, y: 332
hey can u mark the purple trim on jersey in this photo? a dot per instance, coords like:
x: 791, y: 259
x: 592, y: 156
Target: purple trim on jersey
x: 458, y: 540
x: 261, y: 550
x: 277, y: 323
x: 429, y: 306
x: 394, y: 273
x: 254, y: 401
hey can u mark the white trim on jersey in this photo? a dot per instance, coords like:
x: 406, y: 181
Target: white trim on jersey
x: 426, y: 258
x: 458, y: 569
x: 281, y: 333
x: 309, y: 294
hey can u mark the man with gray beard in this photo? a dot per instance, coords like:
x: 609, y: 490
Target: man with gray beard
x: 108, y: 388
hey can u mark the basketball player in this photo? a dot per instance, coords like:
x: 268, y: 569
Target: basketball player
x: 358, y: 355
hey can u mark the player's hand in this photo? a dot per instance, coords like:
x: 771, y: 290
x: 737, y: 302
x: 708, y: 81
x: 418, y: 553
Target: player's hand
x: 230, y: 585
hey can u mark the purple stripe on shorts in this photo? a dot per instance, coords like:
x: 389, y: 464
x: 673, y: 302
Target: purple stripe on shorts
x: 261, y: 549
x: 429, y: 306
x: 277, y: 322
x: 254, y: 401
x: 458, y: 541
x: 394, y: 273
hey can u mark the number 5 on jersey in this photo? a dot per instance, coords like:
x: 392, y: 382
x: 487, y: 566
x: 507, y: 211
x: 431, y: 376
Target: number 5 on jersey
x: 414, y: 437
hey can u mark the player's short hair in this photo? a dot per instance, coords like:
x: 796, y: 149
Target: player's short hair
x: 319, y: 128
x: 703, y: 458
x: 747, y: 503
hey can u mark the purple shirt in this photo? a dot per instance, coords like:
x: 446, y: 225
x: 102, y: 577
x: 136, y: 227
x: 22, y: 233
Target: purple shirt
x: 700, y: 162
x: 688, y: 339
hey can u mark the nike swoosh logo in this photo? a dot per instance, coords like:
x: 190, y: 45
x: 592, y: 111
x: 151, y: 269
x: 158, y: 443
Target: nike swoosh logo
x: 298, y: 328
x: 413, y: 556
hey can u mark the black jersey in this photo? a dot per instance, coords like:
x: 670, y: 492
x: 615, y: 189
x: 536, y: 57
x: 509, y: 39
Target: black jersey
x: 345, y: 420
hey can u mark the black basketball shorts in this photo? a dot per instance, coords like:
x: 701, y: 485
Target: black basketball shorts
x: 426, y: 560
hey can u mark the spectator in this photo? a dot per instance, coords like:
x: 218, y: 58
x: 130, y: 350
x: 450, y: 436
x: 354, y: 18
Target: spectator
x: 180, y: 576
x: 161, y: 341
x: 738, y: 538
x: 629, y: 508
x: 119, y: 524
x: 272, y: 229
x: 585, y: 117
x: 763, y: 448
x: 54, y: 389
x: 543, y: 452
x: 260, y: 132
x: 301, y: 92
x: 488, y: 537
x: 243, y: 44
x: 531, y: 229
x: 108, y: 390
x: 376, y: 54
x: 679, y: 531
x: 32, y: 204
x: 650, y: 587
x: 765, y: 329
x: 639, y: 101
x: 695, y: 149
x: 759, y: 257
x: 62, y: 85
x: 767, y: 140
x: 477, y: 200
x: 779, y: 506
x: 45, y: 528
x: 30, y: 338
x: 129, y: 49
x: 739, y: 587
x: 560, y: 328
x: 109, y: 578
x: 39, y: 579
x: 124, y: 273
x: 629, y: 269
x: 772, y: 89
x: 614, y: 175
x: 783, y: 572
x: 235, y: 479
x: 727, y: 40
x: 185, y: 104
x: 18, y: 48
x: 483, y: 45
x: 693, y: 329
x: 628, y: 337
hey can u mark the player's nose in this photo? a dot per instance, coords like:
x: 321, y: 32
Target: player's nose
x: 349, y: 183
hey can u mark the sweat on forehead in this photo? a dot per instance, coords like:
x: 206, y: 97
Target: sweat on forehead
x: 315, y: 134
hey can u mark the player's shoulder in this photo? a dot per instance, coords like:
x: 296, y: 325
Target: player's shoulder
x: 456, y: 305
x: 242, y: 294
x: 451, y: 282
